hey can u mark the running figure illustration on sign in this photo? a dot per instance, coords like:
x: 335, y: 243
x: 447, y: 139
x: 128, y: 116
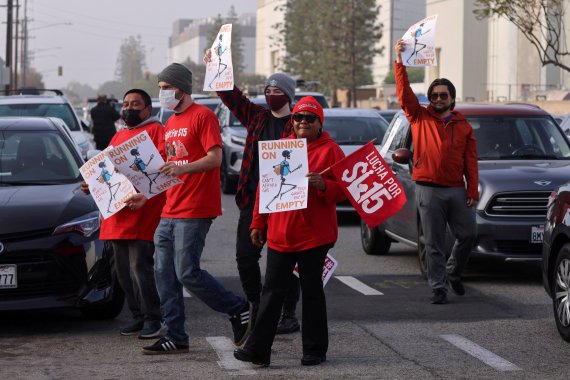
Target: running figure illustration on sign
x: 220, y: 50
x: 417, y: 34
x: 138, y: 165
x: 105, y: 177
x: 283, y: 169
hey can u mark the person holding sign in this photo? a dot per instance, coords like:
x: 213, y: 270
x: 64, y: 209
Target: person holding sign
x: 301, y: 236
x: 262, y: 124
x: 131, y: 233
x: 187, y: 215
x: 445, y: 152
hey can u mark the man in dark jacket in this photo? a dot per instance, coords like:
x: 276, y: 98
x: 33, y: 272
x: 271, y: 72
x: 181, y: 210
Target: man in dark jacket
x: 104, y: 116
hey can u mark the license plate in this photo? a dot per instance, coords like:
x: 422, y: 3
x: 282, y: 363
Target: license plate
x: 536, y: 234
x: 8, y: 277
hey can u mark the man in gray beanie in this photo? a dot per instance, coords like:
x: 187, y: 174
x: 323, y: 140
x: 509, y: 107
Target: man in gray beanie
x: 262, y: 124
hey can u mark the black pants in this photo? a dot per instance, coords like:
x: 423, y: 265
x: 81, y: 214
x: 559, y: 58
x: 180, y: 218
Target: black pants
x: 277, y: 279
x: 247, y: 256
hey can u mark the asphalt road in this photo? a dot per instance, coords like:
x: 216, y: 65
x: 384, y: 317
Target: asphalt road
x: 381, y: 326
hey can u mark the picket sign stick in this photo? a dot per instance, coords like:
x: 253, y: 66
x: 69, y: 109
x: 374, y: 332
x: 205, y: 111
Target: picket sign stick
x: 327, y: 169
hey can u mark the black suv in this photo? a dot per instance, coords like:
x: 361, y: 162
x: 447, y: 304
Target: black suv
x: 523, y: 156
x: 556, y: 257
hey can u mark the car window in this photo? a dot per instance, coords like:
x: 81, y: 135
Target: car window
x: 63, y: 111
x: 508, y: 138
x: 33, y: 157
x: 399, y: 129
x: 355, y: 130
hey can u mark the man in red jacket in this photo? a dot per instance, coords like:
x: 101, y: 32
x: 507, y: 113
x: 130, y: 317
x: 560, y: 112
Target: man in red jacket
x: 446, y: 174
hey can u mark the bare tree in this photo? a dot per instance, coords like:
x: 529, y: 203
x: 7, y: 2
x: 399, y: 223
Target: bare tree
x: 540, y: 21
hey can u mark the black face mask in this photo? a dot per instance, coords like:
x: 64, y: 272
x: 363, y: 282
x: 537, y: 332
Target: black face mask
x: 131, y: 117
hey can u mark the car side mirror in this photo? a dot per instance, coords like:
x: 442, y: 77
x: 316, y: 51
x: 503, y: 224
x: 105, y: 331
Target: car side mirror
x: 402, y: 156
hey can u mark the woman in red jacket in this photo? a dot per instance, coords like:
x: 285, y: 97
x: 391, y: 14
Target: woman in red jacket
x: 300, y: 236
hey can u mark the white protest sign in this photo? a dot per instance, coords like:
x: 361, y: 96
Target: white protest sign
x: 283, y: 182
x: 328, y: 269
x: 220, y: 70
x: 420, y: 43
x: 139, y: 160
x: 108, y: 187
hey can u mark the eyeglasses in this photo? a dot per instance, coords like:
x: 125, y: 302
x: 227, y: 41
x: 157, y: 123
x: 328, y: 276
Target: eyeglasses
x: 442, y: 95
x: 310, y: 118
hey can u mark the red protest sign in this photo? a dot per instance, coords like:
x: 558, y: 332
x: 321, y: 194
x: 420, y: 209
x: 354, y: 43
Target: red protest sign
x: 370, y: 185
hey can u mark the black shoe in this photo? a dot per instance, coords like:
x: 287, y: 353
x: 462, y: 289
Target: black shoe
x: 241, y: 324
x: 245, y: 355
x: 152, y: 330
x: 309, y: 359
x: 133, y: 328
x: 165, y: 346
x: 439, y: 297
x: 288, y: 324
x: 457, y: 286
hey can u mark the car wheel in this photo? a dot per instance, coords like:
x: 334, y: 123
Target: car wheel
x: 561, y: 292
x: 373, y: 241
x: 228, y: 184
x: 422, y: 257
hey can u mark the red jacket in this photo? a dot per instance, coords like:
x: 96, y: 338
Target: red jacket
x: 443, y: 152
x: 316, y: 225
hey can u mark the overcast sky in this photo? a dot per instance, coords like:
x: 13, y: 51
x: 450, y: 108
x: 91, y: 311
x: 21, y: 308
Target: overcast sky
x: 84, y: 37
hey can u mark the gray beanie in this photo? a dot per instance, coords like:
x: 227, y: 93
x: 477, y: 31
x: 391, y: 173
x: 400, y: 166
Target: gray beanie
x: 283, y: 82
x: 177, y: 75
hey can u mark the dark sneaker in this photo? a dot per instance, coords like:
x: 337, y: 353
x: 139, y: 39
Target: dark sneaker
x: 133, y: 328
x: 457, y: 286
x: 439, y: 297
x: 288, y: 324
x: 152, y: 330
x: 309, y: 359
x: 241, y: 324
x: 165, y: 346
x: 246, y: 355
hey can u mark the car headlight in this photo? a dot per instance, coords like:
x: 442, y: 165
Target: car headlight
x: 87, y: 225
x: 238, y: 140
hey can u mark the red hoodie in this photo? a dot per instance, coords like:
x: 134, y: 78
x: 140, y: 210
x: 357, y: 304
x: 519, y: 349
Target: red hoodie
x: 443, y: 152
x: 316, y: 225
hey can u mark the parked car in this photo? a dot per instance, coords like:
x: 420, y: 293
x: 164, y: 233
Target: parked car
x: 388, y: 114
x: 319, y: 97
x: 523, y: 155
x: 351, y: 128
x: 556, y: 257
x: 50, y: 253
x: 565, y: 125
x: 55, y: 105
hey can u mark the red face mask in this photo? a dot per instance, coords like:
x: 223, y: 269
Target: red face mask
x: 276, y: 102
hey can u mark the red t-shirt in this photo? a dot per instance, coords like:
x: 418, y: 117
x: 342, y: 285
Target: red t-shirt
x: 189, y: 136
x: 140, y: 224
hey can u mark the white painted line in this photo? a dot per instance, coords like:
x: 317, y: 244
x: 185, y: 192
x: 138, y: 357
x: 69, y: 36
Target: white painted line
x: 359, y: 286
x: 224, y: 347
x: 185, y: 293
x: 481, y: 353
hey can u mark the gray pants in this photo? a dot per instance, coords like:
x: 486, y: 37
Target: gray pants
x: 134, y: 264
x: 438, y: 208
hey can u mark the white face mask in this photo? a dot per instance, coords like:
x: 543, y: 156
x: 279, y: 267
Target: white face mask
x: 168, y: 99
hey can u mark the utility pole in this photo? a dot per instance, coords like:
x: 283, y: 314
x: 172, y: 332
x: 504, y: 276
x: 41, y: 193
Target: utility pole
x: 9, y: 20
x: 24, y: 60
x: 16, y: 40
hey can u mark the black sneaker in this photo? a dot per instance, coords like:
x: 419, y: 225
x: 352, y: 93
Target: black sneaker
x: 165, y: 346
x: 288, y: 324
x: 133, y: 328
x: 152, y: 330
x: 309, y: 359
x: 246, y: 355
x: 241, y: 324
x: 457, y: 286
x: 439, y: 297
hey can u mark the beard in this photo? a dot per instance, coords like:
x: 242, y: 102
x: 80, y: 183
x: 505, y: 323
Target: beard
x: 441, y: 109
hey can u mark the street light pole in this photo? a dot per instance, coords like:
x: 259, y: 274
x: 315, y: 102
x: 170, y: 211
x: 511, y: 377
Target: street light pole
x: 9, y: 20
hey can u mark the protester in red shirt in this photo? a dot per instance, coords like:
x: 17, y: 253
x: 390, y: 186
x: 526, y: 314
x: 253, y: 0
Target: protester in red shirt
x: 300, y: 236
x: 131, y: 233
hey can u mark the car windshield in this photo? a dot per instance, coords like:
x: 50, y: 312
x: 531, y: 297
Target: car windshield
x: 519, y: 138
x: 352, y: 130
x: 32, y: 158
x: 63, y: 111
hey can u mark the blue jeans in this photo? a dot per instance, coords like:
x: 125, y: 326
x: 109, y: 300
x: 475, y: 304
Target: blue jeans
x: 179, y: 244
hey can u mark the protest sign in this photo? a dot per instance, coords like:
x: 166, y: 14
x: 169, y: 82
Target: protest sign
x: 420, y: 43
x: 328, y: 269
x: 219, y: 70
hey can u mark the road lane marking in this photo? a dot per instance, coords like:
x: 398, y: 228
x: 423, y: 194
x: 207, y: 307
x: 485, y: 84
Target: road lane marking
x: 359, y: 286
x: 481, y: 353
x: 224, y: 347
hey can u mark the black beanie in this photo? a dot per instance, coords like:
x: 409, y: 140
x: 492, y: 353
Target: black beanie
x: 177, y: 75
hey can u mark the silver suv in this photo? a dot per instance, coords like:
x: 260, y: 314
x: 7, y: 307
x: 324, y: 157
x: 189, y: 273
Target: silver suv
x: 53, y: 105
x: 523, y: 156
